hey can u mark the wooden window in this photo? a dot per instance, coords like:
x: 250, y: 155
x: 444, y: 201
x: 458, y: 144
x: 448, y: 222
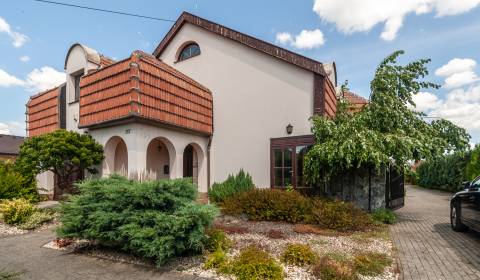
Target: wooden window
x: 286, y: 163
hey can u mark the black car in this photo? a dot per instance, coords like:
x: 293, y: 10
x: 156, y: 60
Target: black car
x: 465, y: 207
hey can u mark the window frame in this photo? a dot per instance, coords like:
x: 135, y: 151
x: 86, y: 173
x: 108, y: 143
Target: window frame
x: 76, y: 76
x: 184, y: 47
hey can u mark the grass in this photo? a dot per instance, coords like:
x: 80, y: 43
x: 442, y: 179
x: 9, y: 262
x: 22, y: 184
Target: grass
x: 371, y: 263
x: 8, y: 275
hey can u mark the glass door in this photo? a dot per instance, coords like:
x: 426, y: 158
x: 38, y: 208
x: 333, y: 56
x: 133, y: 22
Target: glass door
x: 282, y: 167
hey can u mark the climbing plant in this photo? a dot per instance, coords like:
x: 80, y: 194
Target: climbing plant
x: 387, y: 131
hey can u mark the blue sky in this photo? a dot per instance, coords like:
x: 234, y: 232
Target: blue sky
x: 34, y: 39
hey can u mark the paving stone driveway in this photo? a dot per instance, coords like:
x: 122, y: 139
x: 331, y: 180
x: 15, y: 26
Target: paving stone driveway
x: 428, y: 248
x: 24, y: 253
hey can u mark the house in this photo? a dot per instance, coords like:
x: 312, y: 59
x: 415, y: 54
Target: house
x: 10, y: 146
x: 209, y: 101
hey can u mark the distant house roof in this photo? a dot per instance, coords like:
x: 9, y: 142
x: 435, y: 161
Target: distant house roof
x: 355, y: 98
x: 247, y: 40
x: 10, y: 144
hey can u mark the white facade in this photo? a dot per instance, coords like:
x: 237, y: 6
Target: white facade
x: 255, y: 96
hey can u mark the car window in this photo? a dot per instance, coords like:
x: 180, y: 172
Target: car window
x: 476, y: 182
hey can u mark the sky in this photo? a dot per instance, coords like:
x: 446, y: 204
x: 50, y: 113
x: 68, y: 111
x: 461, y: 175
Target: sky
x: 356, y: 34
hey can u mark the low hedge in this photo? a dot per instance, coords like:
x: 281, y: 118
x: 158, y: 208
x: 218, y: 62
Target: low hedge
x: 292, y: 207
x: 444, y: 173
x: 153, y: 219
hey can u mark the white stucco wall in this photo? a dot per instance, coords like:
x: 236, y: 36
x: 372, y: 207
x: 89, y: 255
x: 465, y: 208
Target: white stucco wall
x: 76, y: 62
x: 45, y: 183
x: 137, y: 138
x: 255, y: 97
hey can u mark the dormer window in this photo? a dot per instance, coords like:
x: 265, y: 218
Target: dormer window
x: 188, y: 51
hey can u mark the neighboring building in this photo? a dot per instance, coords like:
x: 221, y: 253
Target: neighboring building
x: 209, y: 101
x: 10, y: 146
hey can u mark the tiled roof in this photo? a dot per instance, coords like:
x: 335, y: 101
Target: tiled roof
x: 10, y: 144
x: 142, y: 87
x: 106, y: 61
x: 355, y: 98
x: 249, y: 41
x: 43, y: 112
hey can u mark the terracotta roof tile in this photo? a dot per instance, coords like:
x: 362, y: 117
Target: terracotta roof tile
x: 43, y: 112
x: 355, y: 98
x: 143, y: 87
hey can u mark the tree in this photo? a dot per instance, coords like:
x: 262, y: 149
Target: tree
x: 386, y: 132
x: 65, y: 153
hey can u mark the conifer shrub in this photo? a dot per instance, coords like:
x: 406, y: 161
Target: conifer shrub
x: 14, y: 184
x: 230, y: 187
x: 338, y: 215
x: 298, y: 254
x: 16, y: 211
x: 216, y: 260
x: 269, y: 205
x: 152, y: 219
x: 255, y: 264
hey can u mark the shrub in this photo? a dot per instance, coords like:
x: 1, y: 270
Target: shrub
x: 15, y: 185
x: 472, y: 169
x: 331, y: 268
x: 233, y: 185
x: 37, y: 218
x: 445, y: 172
x: 8, y: 275
x: 269, y: 205
x: 338, y: 215
x: 153, y: 219
x: 217, y: 239
x: 217, y: 259
x: 16, y: 211
x: 385, y: 216
x: 255, y: 264
x: 371, y: 264
x: 298, y: 254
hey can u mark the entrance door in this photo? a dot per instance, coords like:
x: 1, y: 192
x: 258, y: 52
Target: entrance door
x: 188, y: 162
x: 287, y: 157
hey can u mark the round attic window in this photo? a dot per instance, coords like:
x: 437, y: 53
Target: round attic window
x: 188, y: 51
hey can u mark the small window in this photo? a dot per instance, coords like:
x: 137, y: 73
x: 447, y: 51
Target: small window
x: 188, y: 51
x: 76, y: 83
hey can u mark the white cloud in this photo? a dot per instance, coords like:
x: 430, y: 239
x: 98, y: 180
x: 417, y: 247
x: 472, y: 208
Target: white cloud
x: 306, y: 39
x: 18, y: 39
x: 44, y: 78
x: 283, y: 38
x: 456, y: 65
x: 350, y: 16
x: 37, y: 80
x: 24, y: 58
x: 13, y: 128
x: 7, y: 80
x: 458, y: 72
x: 425, y: 101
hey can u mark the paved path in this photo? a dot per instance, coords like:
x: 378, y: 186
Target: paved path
x: 428, y: 248
x: 24, y: 253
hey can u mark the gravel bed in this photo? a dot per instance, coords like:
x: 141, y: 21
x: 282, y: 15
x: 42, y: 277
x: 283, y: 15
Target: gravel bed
x: 10, y: 230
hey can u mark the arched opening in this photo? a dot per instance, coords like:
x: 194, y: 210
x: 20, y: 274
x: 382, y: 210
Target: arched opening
x: 190, y: 162
x: 188, y: 50
x: 159, y: 163
x: 116, y: 157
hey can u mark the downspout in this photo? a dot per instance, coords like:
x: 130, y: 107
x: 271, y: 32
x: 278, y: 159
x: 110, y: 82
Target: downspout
x: 209, y: 144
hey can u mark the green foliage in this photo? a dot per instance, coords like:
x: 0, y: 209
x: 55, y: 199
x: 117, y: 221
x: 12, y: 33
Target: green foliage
x: 387, y: 131
x: 446, y: 172
x: 333, y: 268
x: 8, y: 275
x: 371, y: 263
x: 339, y: 215
x: 385, y: 216
x: 298, y: 254
x: 217, y: 240
x: 255, y: 264
x: 232, y: 186
x: 38, y: 218
x: 473, y: 166
x: 153, y: 219
x: 62, y: 152
x: 16, y: 211
x: 14, y: 184
x: 269, y: 205
x: 216, y: 260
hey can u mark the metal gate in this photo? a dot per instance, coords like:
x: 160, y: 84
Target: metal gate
x: 395, y: 189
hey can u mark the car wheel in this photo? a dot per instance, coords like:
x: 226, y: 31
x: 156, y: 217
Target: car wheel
x: 455, y: 218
